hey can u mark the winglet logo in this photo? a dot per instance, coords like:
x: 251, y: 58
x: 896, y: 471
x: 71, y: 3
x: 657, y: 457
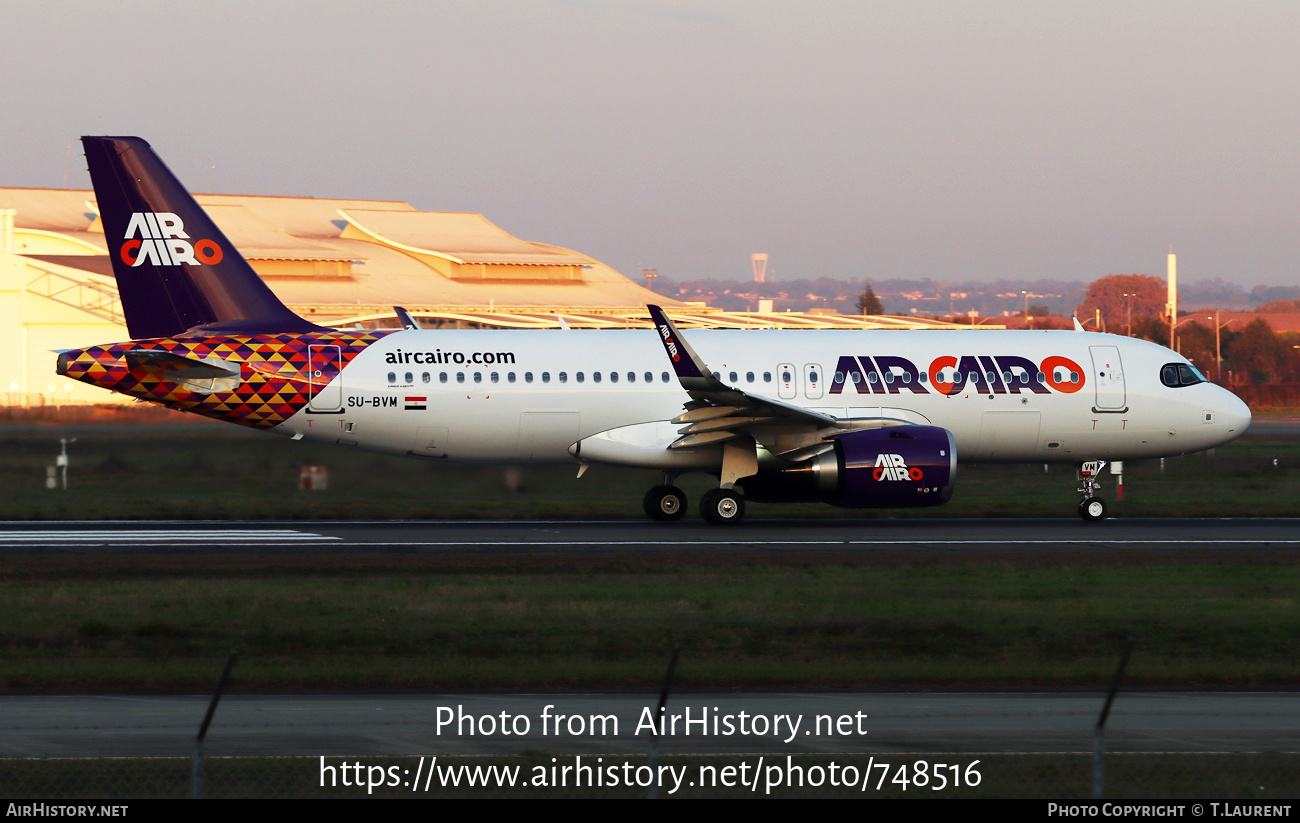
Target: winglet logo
x: 669, y: 344
x: 893, y: 467
x: 159, y: 238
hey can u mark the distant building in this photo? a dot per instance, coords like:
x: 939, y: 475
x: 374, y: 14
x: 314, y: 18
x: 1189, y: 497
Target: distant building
x: 339, y: 263
x: 335, y: 262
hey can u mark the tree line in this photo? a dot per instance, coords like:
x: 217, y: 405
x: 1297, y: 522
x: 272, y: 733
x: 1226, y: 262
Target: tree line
x: 1135, y: 304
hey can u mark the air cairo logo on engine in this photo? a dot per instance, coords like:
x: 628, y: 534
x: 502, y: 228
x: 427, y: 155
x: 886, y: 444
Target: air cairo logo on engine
x: 893, y: 467
x: 159, y: 238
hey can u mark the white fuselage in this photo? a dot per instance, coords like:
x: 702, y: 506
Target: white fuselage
x: 529, y: 396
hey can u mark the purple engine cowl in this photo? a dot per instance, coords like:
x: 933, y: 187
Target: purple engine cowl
x: 895, y: 467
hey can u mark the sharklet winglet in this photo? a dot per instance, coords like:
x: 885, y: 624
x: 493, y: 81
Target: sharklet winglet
x: 691, y: 370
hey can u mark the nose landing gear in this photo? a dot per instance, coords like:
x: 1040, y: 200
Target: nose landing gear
x: 1091, y: 508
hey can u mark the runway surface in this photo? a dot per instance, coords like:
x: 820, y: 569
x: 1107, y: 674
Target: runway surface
x: 401, y: 724
x: 859, y: 536
x: 408, y: 724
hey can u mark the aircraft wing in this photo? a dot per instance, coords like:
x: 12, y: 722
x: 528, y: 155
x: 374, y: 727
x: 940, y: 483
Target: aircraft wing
x: 717, y: 412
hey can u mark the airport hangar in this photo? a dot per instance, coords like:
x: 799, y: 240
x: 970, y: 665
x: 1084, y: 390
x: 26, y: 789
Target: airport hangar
x: 340, y: 263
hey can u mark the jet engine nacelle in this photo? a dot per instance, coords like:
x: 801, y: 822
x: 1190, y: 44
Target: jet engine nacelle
x: 896, y: 467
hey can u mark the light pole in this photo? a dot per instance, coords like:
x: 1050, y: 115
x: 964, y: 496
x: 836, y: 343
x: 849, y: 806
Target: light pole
x: 1128, y: 300
x: 1174, y: 340
x: 1218, y: 352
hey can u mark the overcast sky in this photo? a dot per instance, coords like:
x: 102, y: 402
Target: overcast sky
x: 949, y: 140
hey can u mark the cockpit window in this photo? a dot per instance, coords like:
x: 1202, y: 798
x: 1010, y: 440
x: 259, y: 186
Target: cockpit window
x: 1175, y: 375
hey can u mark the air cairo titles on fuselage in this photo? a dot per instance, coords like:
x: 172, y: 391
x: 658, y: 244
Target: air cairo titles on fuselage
x: 950, y: 375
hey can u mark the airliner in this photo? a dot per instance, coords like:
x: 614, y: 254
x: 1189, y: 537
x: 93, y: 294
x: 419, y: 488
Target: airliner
x: 852, y: 418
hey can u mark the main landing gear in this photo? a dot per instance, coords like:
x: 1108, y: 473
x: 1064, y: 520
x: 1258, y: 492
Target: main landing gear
x: 720, y: 506
x: 717, y: 506
x: 666, y: 502
x: 1091, y: 508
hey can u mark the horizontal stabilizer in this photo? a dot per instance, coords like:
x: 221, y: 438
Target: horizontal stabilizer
x: 178, y: 368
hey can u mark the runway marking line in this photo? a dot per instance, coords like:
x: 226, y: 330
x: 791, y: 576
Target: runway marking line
x: 761, y: 542
x: 162, y: 535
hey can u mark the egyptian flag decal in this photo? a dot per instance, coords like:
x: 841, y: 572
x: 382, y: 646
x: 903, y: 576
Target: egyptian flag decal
x: 416, y: 403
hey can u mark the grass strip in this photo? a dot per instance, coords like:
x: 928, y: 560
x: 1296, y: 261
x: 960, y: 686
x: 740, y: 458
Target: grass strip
x: 200, y: 472
x: 562, y: 622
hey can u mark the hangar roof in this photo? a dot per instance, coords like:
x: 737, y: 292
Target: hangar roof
x: 381, y: 252
x: 342, y: 261
x: 461, y: 237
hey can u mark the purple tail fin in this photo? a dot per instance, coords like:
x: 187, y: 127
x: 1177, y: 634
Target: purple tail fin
x: 175, y: 270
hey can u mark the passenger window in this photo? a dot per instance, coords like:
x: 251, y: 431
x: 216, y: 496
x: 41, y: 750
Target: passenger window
x: 631, y: 377
x: 838, y: 378
x: 732, y: 377
x: 767, y: 377
x: 494, y: 377
x: 392, y: 378
x: 410, y: 378
x: 613, y: 377
x: 528, y: 377
x: 460, y: 377
x: 579, y: 377
x: 649, y: 378
x: 478, y: 377
x: 595, y: 376
x: 546, y: 377
x: 442, y: 377
x: 425, y: 377
x: 749, y: 377
x: 663, y: 376
x: 510, y: 377
x: 564, y: 377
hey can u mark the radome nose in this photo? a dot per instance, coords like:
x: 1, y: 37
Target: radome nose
x: 1234, y: 413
